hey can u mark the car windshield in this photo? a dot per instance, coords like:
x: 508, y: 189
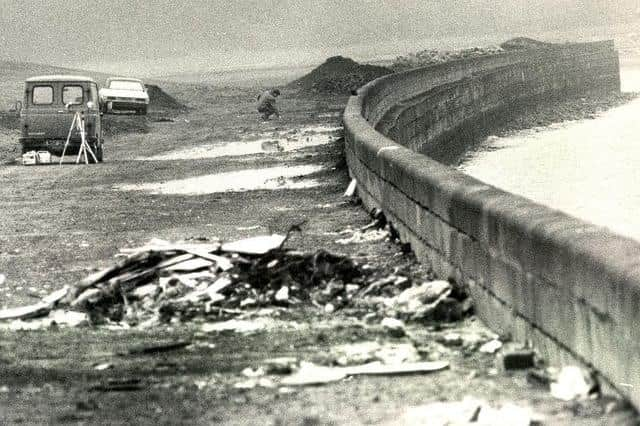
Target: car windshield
x: 125, y: 85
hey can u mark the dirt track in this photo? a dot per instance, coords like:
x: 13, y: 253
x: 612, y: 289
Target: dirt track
x: 59, y: 223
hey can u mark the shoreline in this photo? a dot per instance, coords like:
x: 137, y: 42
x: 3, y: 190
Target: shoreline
x: 540, y: 116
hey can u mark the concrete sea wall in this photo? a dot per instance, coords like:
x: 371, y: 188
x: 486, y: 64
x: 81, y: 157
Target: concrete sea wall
x: 569, y: 288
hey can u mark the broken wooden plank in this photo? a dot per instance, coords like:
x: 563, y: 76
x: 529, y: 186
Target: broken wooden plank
x: 56, y: 296
x: 173, y: 260
x: 190, y: 265
x: 255, y: 245
x: 222, y: 263
x: 378, y: 368
x: 25, y: 312
x: 106, y: 274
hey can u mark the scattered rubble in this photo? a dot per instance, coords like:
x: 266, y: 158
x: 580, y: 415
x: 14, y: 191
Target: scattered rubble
x: 162, y: 282
x: 470, y: 411
x: 370, y: 236
x: 434, y: 56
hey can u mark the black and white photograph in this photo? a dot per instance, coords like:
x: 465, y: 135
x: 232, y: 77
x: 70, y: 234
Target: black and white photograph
x: 320, y: 212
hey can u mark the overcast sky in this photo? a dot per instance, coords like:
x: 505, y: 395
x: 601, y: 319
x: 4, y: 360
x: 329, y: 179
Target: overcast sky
x: 187, y: 34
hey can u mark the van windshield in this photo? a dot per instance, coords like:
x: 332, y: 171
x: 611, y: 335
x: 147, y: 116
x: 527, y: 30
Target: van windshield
x: 125, y: 85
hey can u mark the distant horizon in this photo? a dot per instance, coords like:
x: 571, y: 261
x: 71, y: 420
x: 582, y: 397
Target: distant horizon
x: 162, y: 37
x: 277, y: 59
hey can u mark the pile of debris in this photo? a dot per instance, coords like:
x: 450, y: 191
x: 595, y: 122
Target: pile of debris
x: 159, y: 99
x: 432, y: 57
x: 162, y: 282
x: 519, y: 43
x: 339, y: 75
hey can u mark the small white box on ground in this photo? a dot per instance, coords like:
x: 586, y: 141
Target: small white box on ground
x: 43, y: 157
x: 29, y: 158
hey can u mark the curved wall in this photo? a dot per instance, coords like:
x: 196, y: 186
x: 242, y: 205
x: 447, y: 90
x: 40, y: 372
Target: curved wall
x: 570, y: 288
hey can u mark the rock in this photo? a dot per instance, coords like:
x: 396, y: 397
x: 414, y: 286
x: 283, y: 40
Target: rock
x: 540, y: 377
x: 508, y: 415
x: 571, y: 384
x: 393, y: 326
x: 355, y: 353
x: 445, y: 309
x: 351, y: 289
x: 248, y: 302
x: 425, y: 293
x: 69, y: 318
x: 393, y: 354
x: 491, y: 346
x: 238, y: 326
x: 519, y: 360
x: 247, y: 384
x: 282, y: 295
x: 145, y: 290
x: 251, y: 373
x: 365, y: 352
x: 333, y: 288
x: 451, y: 339
x: 282, y: 365
x: 272, y: 146
x: 311, y: 374
x: 103, y: 366
x: 429, y: 301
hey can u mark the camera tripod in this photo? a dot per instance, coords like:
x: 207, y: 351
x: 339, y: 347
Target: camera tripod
x: 78, y: 125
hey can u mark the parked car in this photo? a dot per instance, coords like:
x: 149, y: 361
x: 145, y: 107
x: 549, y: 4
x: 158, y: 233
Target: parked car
x: 48, y: 109
x: 124, y: 94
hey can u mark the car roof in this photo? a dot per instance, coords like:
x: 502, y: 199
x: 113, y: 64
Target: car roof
x: 60, y: 77
x: 124, y: 79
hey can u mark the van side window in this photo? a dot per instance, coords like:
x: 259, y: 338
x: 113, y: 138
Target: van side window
x: 42, y: 95
x: 72, y: 95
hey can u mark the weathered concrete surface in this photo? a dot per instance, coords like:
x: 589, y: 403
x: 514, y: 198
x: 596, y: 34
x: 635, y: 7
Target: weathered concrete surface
x: 569, y: 287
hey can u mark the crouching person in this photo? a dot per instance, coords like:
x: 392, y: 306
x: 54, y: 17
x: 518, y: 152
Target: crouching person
x: 267, y: 104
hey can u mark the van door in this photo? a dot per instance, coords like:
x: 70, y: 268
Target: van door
x: 48, y: 118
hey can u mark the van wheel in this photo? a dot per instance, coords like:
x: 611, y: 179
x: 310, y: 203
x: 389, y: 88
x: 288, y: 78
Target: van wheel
x: 99, y: 152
